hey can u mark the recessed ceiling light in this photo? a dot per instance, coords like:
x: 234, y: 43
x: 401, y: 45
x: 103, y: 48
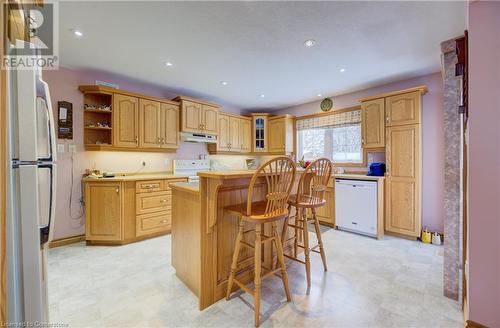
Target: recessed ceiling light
x: 169, y: 64
x: 262, y: 95
x: 77, y: 33
x: 223, y: 82
x: 320, y: 95
x: 309, y: 43
x: 342, y: 70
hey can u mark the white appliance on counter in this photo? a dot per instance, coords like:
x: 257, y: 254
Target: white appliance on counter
x: 31, y: 195
x: 190, y: 167
x: 356, y: 206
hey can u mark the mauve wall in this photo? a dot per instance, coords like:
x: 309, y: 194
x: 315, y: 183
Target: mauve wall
x: 433, y: 138
x: 64, y: 87
x: 484, y: 163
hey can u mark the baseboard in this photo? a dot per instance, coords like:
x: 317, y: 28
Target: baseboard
x: 472, y: 324
x: 66, y: 241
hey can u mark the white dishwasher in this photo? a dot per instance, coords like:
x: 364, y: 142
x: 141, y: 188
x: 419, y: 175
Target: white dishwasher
x: 356, y: 206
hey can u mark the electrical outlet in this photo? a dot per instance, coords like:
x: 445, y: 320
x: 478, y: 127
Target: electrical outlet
x: 72, y: 148
x: 60, y: 148
x: 143, y: 163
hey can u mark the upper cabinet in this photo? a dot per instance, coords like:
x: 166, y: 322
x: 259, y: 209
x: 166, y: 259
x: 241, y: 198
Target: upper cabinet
x: 403, y: 109
x: 126, y: 121
x: 373, y: 119
x: 259, y: 135
x: 281, y: 134
x: 234, y: 134
x: 120, y: 120
x: 198, y: 116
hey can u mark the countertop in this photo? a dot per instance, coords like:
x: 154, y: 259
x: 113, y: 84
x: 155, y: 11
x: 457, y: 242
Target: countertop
x: 193, y: 187
x: 136, y: 177
x: 357, y: 177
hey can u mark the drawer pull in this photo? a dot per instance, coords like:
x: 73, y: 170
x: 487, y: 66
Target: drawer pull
x: 163, y: 200
x: 163, y: 221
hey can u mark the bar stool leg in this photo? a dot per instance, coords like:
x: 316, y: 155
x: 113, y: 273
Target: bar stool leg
x: 320, y: 241
x: 298, y: 216
x: 234, y: 263
x: 281, y: 261
x: 258, y: 254
x: 306, y: 249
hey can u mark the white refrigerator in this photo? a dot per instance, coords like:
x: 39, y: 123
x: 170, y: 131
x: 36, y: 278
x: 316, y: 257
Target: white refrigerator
x: 31, y: 194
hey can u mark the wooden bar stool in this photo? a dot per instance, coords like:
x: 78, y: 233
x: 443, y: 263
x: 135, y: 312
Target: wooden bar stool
x: 309, y: 196
x: 278, y: 175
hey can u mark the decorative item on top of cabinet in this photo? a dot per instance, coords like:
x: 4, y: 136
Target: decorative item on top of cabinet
x: 198, y: 116
x: 373, y: 121
x: 120, y: 120
x: 234, y: 134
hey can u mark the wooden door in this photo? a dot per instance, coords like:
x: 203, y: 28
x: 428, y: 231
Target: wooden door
x: 191, y: 117
x: 169, y: 125
x: 373, y: 118
x: 403, y: 181
x: 276, y: 140
x: 224, y: 133
x: 125, y: 121
x: 246, y: 135
x: 103, y: 211
x: 234, y: 134
x: 210, y: 119
x: 403, y: 109
x: 149, y: 118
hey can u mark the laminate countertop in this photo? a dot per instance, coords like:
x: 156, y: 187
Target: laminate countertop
x: 234, y: 174
x: 136, y: 177
x: 357, y: 177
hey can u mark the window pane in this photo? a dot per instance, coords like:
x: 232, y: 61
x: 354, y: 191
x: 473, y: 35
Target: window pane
x: 311, y: 144
x: 346, y: 144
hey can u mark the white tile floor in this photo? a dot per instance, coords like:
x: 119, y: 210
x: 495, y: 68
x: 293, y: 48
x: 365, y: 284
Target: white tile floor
x: 370, y: 283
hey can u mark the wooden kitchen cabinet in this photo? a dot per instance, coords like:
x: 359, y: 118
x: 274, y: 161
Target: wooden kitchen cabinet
x: 403, y: 180
x: 281, y: 134
x: 326, y: 214
x: 246, y: 134
x: 234, y: 135
x: 123, y: 210
x: 103, y: 211
x: 373, y: 121
x: 125, y: 121
x: 169, y: 125
x: 403, y: 109
x: 260, y: 131
x: 131, y: 121
x: 149, y: 118
x: 198, y: 116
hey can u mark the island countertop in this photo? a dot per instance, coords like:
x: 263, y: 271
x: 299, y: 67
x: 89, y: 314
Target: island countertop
x: 192, y: 187
x: 234, y: 174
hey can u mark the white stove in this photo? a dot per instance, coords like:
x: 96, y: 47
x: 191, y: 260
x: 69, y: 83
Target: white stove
x: 190, y: 167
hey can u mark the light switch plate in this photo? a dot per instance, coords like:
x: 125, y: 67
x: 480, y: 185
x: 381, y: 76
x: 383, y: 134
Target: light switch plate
x: 72, y: 148
x: 60, y: 148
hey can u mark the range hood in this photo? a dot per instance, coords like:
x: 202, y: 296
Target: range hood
x: 198, y: 137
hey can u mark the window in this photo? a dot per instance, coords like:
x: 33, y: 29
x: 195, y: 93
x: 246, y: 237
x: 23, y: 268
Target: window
x: 335, y: 136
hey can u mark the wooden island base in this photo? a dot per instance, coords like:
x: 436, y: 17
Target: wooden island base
x: 204, y: 234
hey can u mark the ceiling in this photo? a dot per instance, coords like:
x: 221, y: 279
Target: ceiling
x: 258, y: 47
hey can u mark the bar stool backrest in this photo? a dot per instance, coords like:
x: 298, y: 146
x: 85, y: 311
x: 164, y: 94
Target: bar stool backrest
x: 319, y: 173
x: 279, y: 175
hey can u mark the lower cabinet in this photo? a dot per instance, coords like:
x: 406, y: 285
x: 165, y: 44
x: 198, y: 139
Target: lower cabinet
x: 113, y: 217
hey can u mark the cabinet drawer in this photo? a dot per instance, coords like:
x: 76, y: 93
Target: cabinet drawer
x: 166, y: 183
x: 152, y: 223
x: 148, y: 186
x: 153, y: 202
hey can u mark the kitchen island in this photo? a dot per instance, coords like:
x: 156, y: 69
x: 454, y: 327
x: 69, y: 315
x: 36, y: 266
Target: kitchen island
x: 204, y: 234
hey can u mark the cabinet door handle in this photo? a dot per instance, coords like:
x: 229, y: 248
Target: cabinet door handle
x: 163, y: 200
x: 117, y: 190
x: 387, y: 119
x: 136, y: 139
x: 163, y: 221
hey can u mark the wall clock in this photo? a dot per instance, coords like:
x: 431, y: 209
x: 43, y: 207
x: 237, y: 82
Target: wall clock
x: 326, y: 104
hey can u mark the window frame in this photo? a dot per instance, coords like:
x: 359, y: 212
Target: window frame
x: 337, y: 111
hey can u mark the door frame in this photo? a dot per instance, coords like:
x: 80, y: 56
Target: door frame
x: 3, y: 176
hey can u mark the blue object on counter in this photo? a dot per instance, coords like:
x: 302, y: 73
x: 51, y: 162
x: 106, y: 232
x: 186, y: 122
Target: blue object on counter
x: 377, y: 169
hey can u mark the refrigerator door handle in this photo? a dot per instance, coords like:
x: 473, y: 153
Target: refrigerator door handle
x: 47, y: 203
x: 46, y: 121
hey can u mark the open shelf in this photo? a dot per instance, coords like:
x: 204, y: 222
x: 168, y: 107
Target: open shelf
x: 96, y: 128
x: 98, y: 111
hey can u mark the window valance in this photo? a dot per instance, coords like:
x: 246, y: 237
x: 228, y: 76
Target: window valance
x: 330, y: 121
